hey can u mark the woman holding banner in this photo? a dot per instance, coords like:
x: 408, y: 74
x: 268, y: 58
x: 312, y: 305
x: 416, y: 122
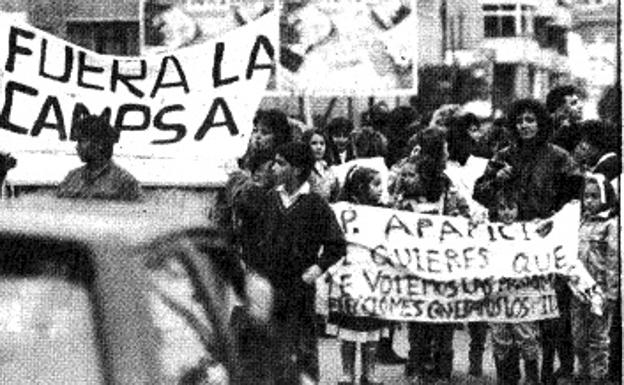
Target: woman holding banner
x: 424, y: 188
x: 546, y: 178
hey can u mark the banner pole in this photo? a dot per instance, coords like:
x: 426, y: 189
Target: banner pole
x: 307, y: 106
x: 141, y: 27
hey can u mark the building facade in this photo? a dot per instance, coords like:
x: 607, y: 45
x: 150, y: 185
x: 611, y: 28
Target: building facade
x: 104, y: 26
x: 596, y: 57
x: 492, y: 50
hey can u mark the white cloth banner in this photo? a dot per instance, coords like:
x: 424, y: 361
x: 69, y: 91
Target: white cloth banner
x: 184, y: 115
x: 407, y: 266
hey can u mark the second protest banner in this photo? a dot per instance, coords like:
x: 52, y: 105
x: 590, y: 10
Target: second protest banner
x: 414, y: 267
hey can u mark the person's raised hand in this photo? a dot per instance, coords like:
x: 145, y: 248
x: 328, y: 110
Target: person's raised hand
x: 311, y: 274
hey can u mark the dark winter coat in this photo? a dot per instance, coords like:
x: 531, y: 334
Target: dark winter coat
x: 544, y: 174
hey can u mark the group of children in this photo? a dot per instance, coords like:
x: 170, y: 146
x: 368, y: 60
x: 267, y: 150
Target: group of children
x: 291, y: 236
x: 422, y: 187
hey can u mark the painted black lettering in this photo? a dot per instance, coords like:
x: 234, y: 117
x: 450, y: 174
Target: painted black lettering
x: 217, y: 103
x: 118, y: 77
x: 51, y: 104
x: 9, y: 91
x: 67, y: 63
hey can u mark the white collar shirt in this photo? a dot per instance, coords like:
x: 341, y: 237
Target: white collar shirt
x: 289, y: 199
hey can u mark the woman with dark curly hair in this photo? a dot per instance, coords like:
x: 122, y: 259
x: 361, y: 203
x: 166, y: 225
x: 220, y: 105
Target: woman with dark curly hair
x: 546, y: 178
x: 541, y: 171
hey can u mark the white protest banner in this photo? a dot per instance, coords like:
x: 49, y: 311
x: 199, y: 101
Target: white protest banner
x: 414, y: 267
x: 184, y: 115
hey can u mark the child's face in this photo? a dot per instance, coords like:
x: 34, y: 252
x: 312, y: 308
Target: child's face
x: 591, y: 198
x: 507, y: 212
x: 374, y: 190
x: 585, y: 153
x: 409, y: 177
x: 341, y: 140
x: 317, y: 144
x: 283, y: 172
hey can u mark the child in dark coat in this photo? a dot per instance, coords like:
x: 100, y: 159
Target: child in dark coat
x: 297, y: 226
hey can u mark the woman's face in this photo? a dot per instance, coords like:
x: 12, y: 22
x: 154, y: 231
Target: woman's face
x: 261, y: 137
x: 317, y: 144
x: 526, y: 124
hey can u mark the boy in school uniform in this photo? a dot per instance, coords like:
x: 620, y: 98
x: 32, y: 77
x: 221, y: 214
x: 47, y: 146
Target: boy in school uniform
x: 300, y: 239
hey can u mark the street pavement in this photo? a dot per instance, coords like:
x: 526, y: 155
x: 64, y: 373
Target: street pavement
x: 329, y: 362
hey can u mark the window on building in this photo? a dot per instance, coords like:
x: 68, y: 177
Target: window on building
x: 505, y: 20
x: 113, y: 38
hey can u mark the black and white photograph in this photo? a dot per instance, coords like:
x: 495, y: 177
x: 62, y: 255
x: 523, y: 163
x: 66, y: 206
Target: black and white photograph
x: 310, y: 192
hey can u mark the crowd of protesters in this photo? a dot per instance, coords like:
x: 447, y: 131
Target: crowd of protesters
x: 523, y: 166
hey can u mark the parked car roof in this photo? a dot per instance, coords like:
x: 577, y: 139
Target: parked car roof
x: 89, y: 219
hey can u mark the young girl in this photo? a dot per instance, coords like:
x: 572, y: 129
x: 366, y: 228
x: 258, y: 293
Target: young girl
x: 362, y: 186
x: 423, y: 187
x: 513, y: 339
x: 322, y: 180
x: 598, y: 251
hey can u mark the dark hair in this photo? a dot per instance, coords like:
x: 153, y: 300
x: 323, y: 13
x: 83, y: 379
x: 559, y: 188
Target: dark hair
x: 521, y: 106
x: 306, y: 137
x: 277, y: 122
x: 339, y: 126
x: 507, y: 195
x: 376, y: 116
x: 368, y: 143
x: 499, y: 132
x: 556, y: 96
x: 259, y: 158
x: 95, y: 128
x: 604, y: 185
x: 610, y: 105
x: 429, y: 165
x: 459, y: 139
x: 600, y: 134
x: 358, y: 178
x: 298, y: 155
x: 401, y: 126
